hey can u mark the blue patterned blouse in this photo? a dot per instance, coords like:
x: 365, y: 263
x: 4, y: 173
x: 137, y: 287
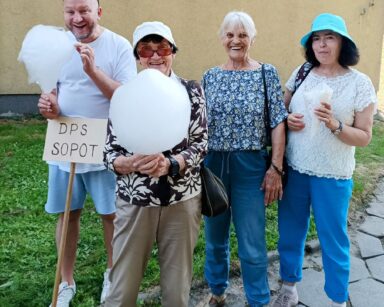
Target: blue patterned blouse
x: 235, y: 107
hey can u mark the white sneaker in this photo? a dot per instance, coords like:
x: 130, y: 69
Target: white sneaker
x: 66, y: 294
x: 106, y: 286
x: 286, y: 299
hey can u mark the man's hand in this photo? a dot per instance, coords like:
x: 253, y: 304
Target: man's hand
x: 48, y: 106
x: 87, y: 57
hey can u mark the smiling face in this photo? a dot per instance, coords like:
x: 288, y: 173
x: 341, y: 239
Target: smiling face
x: 81, y: 18
x: 162, y: 62
x: 326, y: 46
x: 236, y: 42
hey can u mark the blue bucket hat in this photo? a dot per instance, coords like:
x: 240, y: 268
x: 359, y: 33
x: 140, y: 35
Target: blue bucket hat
x: 327, y: 21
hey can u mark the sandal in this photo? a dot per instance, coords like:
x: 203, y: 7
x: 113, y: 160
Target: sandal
x: 217, y: 300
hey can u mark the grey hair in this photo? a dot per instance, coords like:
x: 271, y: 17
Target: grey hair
x: 237, y: 18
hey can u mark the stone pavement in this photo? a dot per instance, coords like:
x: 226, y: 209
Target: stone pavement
x: 366, y: 285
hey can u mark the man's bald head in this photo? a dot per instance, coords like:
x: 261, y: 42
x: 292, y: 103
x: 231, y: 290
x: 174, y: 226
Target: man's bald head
x: 98, y: 2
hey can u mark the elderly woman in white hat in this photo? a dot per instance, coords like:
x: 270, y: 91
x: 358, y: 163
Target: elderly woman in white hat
x: 323, y: 133
x: 159, y: 196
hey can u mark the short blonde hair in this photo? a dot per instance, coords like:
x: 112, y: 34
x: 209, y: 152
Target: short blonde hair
x: 237, y: 18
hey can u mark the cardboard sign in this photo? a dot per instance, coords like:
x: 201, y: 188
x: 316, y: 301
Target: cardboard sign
x: 78, y: 140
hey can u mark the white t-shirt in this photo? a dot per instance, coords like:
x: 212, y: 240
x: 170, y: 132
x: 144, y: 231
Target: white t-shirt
x: 323, y: 154
x: 78, y: 95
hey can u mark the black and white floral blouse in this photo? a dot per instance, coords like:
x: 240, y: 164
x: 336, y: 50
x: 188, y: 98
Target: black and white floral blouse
x: 143, y: 190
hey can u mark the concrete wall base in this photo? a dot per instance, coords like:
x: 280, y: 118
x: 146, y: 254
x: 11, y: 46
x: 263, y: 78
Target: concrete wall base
x: 18, y: 105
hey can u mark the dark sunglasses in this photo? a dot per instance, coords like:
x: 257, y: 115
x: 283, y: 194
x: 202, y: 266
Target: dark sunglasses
x: 147, y: 52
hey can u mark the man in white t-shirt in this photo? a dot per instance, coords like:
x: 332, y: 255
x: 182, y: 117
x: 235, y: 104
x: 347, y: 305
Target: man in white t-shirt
x: 103, y: 61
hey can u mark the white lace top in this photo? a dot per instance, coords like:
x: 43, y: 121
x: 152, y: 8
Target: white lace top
x: 315, y: 150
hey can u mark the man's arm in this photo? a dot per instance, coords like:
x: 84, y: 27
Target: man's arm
x: 106, y: 84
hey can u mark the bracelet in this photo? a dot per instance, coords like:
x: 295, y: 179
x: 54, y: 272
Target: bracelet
x: 279, y: 171
x: 338, y: 130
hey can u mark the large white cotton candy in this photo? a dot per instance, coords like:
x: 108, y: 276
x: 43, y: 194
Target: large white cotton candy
x: 321, y: 93
x: 151, y: 113
x: 44, y: 51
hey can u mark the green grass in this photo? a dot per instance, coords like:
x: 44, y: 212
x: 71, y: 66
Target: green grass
x: 27, y: 248
x: 369, y: 166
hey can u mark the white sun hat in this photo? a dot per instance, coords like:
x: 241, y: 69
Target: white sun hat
x: 152, y: 27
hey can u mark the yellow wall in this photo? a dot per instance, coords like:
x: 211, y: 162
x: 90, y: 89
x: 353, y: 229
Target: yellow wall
x: 280, y: 25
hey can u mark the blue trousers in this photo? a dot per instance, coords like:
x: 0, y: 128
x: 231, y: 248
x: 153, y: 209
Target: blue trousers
x: 242, y: 173
x: 329, y: 199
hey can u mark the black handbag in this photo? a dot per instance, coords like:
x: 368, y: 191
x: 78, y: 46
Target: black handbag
x: 214, y: 196
x: 268, y: 129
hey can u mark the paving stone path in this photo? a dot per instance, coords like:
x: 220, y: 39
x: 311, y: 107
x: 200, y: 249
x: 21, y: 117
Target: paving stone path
x: 366, y: 285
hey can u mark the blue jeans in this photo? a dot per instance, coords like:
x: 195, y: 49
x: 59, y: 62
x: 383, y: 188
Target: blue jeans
x: 329, y: 199
x: 242, y: 173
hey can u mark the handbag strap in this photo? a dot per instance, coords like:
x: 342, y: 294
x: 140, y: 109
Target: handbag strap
x: 301, y: 75
x: 266, y: 108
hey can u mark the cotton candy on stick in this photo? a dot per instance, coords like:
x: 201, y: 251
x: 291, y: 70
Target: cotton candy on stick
x: 321, y: 93
x: 325, y: 95
x: 44, y: 51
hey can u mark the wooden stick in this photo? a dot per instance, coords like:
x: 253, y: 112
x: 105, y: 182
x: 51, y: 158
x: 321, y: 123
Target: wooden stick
x: 64, y: 230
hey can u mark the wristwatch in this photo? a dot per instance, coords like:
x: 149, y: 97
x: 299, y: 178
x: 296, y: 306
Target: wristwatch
x: 174, y: 167
x: 338, y: 129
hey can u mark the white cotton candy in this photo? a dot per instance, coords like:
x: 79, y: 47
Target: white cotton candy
x: 151, y: 113
x: 44, y: 51
x: 321, y: 93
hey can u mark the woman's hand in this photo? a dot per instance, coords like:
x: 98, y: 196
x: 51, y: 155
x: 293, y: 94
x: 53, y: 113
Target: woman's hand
x: 125, y: 165
x: 136, y: 163
x: 272, y: 186
x: 295, y: 121
x: 155, y: 165
x: 324, y: 114
x: 360, y: 134
x: 161, y: 168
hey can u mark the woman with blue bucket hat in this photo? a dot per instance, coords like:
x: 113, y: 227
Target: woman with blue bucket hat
x: 331, y: 111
